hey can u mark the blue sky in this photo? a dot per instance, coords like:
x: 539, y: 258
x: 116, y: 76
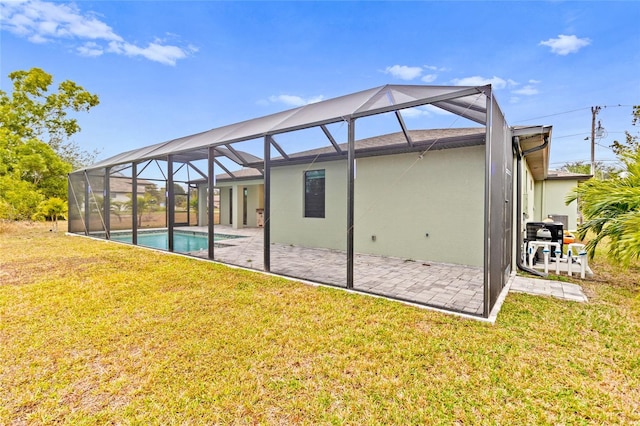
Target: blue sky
x: 165, y: 69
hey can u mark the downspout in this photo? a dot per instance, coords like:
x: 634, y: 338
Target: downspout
x: 520, y: 155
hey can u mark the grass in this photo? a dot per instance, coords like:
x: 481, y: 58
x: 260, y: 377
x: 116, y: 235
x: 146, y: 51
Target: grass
x: 95, y: 332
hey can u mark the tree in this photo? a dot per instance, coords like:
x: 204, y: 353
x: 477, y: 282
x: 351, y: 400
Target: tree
x: 147, y: 203
x: 35, y: 152
x: 611, y: 209
x: 602, y: 171
x: 53, y: 208
x: 31, y: 112
x: 631, y: 143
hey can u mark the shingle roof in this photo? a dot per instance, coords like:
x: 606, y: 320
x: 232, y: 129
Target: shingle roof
x: 562, y: 174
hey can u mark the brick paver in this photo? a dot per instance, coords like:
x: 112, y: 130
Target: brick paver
x: 452, y: 287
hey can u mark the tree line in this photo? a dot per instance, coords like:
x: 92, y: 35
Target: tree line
x: 36, y: 153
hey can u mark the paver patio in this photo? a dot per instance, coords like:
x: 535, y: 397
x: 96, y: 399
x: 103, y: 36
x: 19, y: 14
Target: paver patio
x: 456, y: 288
x: 453, y: 287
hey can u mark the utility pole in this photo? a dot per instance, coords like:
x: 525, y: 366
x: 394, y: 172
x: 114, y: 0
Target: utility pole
x: 594, y: 111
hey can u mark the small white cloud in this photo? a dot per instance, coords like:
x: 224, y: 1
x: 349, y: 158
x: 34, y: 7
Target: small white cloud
x: 293, y: 100
x: 167, y: 55
x: 42, y: 22
x: 527, y: 90
x: 423, y: 111
x: 90, y: 49
x: 414, y: 112
x: 404, y: 72
x: 512, y: 83
x: 534, y: 81
x: 514, y: 100
x: 565, y: 44
x: 429, y: 78
x: 496, y: 82
x: 435, y: 68
x: 37, y: 39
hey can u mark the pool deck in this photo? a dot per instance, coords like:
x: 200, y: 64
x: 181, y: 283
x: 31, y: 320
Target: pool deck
x: 438, y: 285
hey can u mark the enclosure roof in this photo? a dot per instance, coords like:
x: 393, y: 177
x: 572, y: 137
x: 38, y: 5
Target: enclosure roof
x: 465, y: 101
x: 394, y: 143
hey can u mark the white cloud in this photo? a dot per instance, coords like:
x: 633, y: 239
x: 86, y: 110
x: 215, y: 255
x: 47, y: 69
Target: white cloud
x: 527, y: 90
x: 404, y: 72
x: 414, y: 112
x: 565, y: 44
x: 423, y: 111
x: 496, y: 82
x: 407, y: 73
x: 90, y: 49
x: 167, y: 55
x: 429, y: 78
x: 293, y: 100
x: 512, y: 83
x: 45, y: 22
x: 435, y: 68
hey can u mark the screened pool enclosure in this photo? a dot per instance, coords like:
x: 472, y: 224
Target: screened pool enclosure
x: 348, y: 192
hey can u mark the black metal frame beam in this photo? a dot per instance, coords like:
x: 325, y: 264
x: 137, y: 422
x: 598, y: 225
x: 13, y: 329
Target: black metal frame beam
x: 197, y: 170
x: 487, y: 214
x: 278, y: 147
x: 351, y: 160
x: 243, y: 162
x: 210, y: 201
x: 329, y: 136
x: 107, y: 202
x: 171, y: 203
x: 87, y: 204
x: 134, y: 203
x: 224, y: 168
x: 267, y: 204
x: 404, y: 128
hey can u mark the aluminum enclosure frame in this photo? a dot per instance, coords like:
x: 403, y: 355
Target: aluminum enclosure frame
x: 476, y: 103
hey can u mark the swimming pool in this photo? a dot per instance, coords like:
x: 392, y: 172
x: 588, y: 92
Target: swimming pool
x: 183, y: 242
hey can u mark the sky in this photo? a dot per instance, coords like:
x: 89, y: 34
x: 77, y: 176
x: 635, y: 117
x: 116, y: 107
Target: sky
x: 166, y: 69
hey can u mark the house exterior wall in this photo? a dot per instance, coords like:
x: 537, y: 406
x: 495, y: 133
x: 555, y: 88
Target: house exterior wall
x: 551, y: 200
x: 255, y: 199
x: 399, y: 199
x: 288, y: 224
x: 529, y: 194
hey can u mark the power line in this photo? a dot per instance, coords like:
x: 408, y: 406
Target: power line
x: 574, y: 110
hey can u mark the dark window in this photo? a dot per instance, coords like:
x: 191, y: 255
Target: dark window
x: 314, y: 193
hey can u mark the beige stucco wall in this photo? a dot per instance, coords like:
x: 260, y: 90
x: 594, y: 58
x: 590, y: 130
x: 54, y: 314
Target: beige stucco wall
x: 551, y: 200
x: 399, y: 199
x: 529, y: 194
x: 288, y: 224
x: 255, y: 200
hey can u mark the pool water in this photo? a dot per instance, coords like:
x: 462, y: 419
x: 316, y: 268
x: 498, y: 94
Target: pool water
x: 182, y: 243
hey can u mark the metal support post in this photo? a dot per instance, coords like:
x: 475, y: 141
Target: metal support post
x: 134, y: 203
x: 351, y: 158
x: 87, y: 204
x: 267, y: 204
x: 210, y: 200
x: 171, y: 203
x: 107, y: 202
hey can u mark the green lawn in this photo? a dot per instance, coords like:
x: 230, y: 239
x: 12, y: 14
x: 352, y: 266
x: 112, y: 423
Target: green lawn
x: 95, y: 332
